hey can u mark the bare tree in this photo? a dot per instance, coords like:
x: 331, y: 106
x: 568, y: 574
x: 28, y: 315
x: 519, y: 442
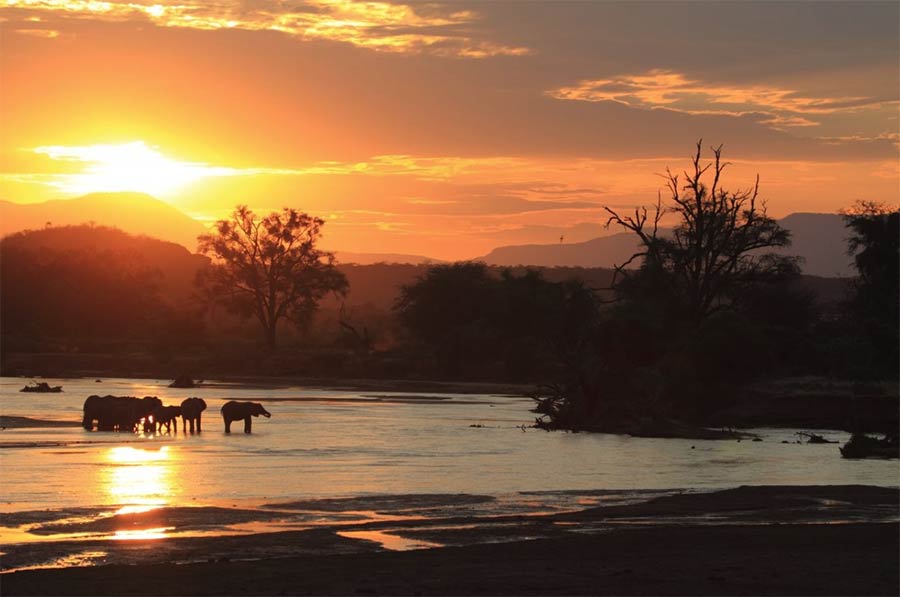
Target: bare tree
x: 269, y: 267
x: 718, y: 246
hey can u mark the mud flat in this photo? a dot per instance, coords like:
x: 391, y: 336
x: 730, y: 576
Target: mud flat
x: 826, y: 540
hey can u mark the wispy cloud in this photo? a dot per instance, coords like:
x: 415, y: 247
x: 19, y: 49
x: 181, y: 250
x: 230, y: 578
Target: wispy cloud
x: 377, y: 25
x: 33, y: 32
x: 775, y: 106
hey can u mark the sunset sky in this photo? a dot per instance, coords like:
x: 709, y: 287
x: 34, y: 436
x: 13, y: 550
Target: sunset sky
x: 446, y: 129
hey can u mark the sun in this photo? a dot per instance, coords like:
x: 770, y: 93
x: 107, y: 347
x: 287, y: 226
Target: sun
x: 131, y: 166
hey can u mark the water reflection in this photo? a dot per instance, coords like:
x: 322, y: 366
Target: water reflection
x: 388, y: 541
x: 157, y: 533
x: 137, y: 479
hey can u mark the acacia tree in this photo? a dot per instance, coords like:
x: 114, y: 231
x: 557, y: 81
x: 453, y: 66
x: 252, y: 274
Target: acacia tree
x: 269, y: 267
x: 660, y: 350
x: 717, y: 249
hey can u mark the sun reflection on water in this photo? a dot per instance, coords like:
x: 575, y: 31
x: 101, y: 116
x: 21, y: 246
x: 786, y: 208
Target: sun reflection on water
x: 139, y: 480
x: 138, y: 534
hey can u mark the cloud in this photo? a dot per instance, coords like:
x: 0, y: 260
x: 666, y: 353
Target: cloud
x: 45, y: 33
x: 377, y: 25
x: 777, y: 107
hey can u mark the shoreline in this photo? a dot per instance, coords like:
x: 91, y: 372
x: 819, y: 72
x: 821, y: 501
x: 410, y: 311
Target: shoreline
x: 815, y: 540
x: 329, y: 383
x: 822, y: 559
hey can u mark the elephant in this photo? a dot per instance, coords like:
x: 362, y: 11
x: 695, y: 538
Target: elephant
x: 167, y: 415
x: 119, y: 413
x: 234, y: 410
x: 191, y: 408
x: 96, y: 408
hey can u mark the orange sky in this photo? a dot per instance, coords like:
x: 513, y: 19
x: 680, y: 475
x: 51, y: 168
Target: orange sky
x: 445, y: 129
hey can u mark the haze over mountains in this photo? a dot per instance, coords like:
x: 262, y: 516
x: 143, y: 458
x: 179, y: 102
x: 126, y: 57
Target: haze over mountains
x: 136, y: 213
x: 820, y: 239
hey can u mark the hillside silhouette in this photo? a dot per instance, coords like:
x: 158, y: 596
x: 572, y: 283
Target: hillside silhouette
x: 84, y: 288
x: 174, y: 266
x: 137, y: 213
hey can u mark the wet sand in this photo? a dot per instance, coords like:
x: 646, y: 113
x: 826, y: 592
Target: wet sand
x: 856, y: 559
x: 829, y: 540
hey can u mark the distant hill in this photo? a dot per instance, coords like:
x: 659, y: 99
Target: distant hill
x: 372, y: 258
x: 605, y: 251
x: 176, y: 265
x: 137, y: 213
x: 819, y: 238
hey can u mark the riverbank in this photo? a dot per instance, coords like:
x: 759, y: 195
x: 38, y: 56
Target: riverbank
x: 819, y: 540
x: 854, y: 559
x: 814, y: 403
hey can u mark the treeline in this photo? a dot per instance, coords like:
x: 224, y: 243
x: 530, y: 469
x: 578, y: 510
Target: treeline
x: 86, y: 297
x: 93, y: 294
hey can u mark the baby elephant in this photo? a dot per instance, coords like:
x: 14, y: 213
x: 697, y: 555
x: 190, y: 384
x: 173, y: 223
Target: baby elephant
x: 167, y: 415
x: 234, y: 410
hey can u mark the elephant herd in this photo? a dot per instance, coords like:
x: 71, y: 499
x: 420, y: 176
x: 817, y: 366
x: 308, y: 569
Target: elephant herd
x: 129, y: 414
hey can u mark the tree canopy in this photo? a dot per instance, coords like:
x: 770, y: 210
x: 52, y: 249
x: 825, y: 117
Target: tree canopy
x: 269, y: 268
x: 717, y: 250
x: 473, y: 318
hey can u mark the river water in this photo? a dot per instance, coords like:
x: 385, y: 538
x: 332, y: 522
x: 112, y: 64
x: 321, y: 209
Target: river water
x: 324, y: 443
x: 328, y: 443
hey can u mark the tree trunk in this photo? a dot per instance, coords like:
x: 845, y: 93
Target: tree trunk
x: 270, y: 336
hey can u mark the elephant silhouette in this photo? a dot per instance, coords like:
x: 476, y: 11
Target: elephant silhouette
x: 235, y: 410
x: 191, y: 408
x: 119, y: 413
x: 167, y: 415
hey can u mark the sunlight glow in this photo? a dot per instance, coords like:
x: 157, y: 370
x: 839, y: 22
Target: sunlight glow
x: 126, y: 167
x: 140, y: 480
x: 129, y: 455
x: 157, y: 533
x: 136, y: 509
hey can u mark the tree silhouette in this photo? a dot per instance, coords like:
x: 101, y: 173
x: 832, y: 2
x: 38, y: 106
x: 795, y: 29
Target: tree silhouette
x: 269, y: 267
x: 716, y: 252
x: 685, y: 324
x: 875, y: 304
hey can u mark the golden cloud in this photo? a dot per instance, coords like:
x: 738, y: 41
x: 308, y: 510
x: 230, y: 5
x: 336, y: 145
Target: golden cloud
x: 381, y: 26
x: 45, y: 33
x: 661, y: 89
